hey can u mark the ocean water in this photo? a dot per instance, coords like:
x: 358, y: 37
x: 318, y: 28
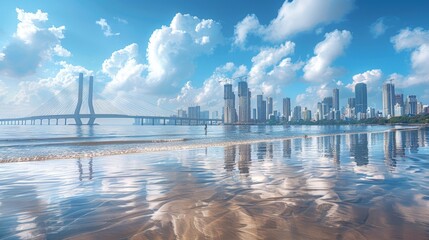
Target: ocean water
x: 233, y: 182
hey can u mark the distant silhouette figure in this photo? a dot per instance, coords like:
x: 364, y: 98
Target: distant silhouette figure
x: 205, y: 128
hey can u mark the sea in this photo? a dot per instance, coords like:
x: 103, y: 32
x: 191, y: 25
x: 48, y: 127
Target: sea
x: 225, y: 182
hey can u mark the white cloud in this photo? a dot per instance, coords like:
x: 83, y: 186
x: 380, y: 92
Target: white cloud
x: 121, y: 20
x: 249, y: 25
x: 61, y: 51
x: 2, y: 55
x: 170, y: 55
x: 107, y: 30
x: 123, y: 69
x: 32, y: 45
x: 27, y: 27
x: 416, y: 40
x: 36, y: 92
x: 410, y: 39
x: 294, y: 17
x: 378, y: 28
x: 371, y: 78
x: 318, y: 68
x: 314, y: 94
x: 272, y: 69
x: 207, y: 96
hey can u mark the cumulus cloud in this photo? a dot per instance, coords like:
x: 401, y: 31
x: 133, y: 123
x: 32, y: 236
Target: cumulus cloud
x: 107, y: 30
x: 318, y: 68
x: 371, y: 78
x: 249, y: 25
x: 170, y: 56
x: 207, y: 96
x: 123, y: 69
x: 32, y: 45
x: 416, y: 40
x: 316, y: 93
x: 35, y: 92
x: 272, y: 69
x: 294, y: 17
x: 378, y: 28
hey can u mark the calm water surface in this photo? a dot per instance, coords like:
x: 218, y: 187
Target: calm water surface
x: 231, y: 183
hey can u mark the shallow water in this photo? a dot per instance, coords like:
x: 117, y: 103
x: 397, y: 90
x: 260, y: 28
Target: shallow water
x: 340, y: 186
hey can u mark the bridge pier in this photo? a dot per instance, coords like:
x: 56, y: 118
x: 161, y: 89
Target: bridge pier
x: 65, y: 121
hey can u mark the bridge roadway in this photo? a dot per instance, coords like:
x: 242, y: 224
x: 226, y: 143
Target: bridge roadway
x: 33, y: 120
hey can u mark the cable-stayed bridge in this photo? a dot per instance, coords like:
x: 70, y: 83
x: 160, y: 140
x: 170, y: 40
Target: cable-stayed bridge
x: 65, y: 108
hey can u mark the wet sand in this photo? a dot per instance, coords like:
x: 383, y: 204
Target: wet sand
x: 348, y: 186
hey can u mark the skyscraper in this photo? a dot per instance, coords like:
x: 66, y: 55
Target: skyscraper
x: 243, y: 102
x: 336, y: 99
x: 261, y: 109
x: 388, y: 100
x: 351, y: 102
x: 411, y: 105
x: 286, y: 108
x: 361, y: 98
x: 297, y: 113
x: 399, y: 98
x: 194, y: 112
x: 229, y: 113
x: 269, y: 106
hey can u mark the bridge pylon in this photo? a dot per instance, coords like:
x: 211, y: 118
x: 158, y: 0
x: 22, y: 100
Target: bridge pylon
x: 77, y: 115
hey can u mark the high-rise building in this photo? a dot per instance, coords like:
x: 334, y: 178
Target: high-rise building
x: 286, y: 108
x: 419, y: 108
x: 215, y: 114
x: 254, y: 116
x: 361, y: 99
x: 204, y: 115
x: 306, y: 114
x: 399, y: 110
x: 388, y: 100
x: 194, y: 112
x: 261, y: 109
x: 399, y: 98
x: 336, y: 99
x: 327, y: 105
x: 351, y: 102
x: 297, y: 113
x: 243, y: 102
x: 411, y: 105
x: 181, y: 113
x: 269, y: 106
x: 229, y: 113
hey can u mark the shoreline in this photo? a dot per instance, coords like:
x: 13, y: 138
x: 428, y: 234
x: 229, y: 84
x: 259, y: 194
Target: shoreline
x: 151, y: 149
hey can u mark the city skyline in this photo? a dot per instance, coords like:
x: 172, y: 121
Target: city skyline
x: 184, y: 55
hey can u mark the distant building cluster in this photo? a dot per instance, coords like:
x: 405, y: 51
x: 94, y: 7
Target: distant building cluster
x: 328, y: 109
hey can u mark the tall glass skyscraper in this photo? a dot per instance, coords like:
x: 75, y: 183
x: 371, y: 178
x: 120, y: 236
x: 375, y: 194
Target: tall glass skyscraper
x: 269, y: 106
x: 388, y: 100
x: 229, y: 113
x: 261, y: 108
x: 243, y: 102
x: 286, y: 108
x: 361, y: 98
x: 336, y: 99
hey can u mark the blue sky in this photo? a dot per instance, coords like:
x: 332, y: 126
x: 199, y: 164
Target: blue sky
x: 179, y: 53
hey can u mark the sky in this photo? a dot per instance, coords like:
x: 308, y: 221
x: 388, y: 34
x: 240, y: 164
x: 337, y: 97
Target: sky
x: 159, y: 56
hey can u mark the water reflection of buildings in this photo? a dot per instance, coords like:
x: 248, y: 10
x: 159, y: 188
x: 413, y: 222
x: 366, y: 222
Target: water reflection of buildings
x: 229, y: 158
x: 245, y: 152
x: 359, y: 148
x: 287, y: 148
x: 265, y: 151
x: 390, y: 148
